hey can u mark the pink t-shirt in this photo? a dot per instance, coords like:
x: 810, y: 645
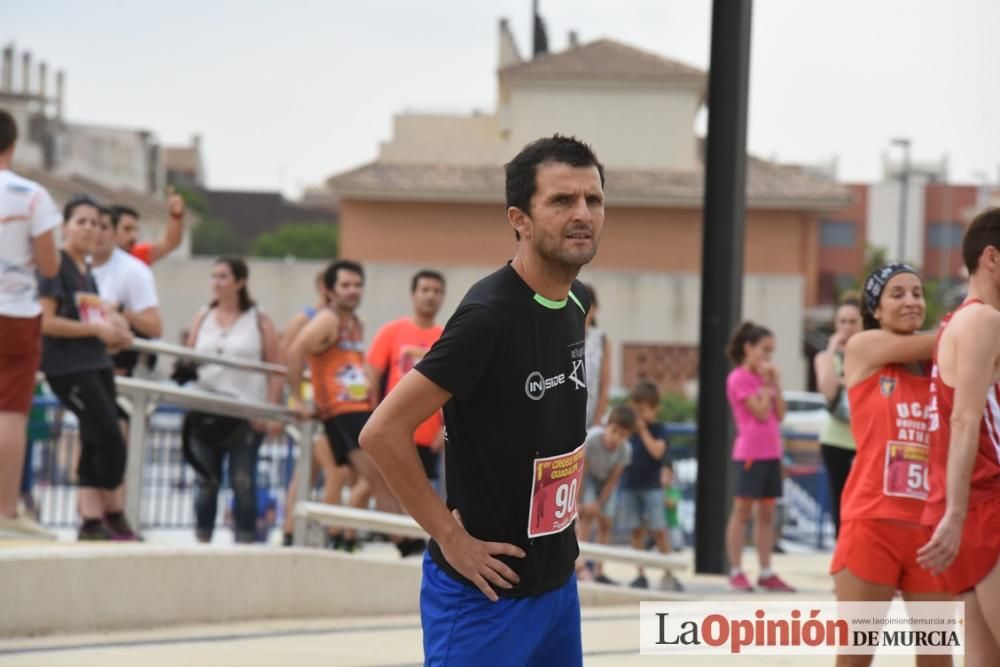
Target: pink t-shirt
x: 755, y: 440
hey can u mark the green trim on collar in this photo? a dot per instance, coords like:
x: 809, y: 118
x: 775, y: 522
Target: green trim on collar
x: 577, y: 302
x: 550, y: 304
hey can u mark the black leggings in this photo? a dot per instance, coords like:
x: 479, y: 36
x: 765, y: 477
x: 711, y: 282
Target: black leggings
x: 837, y: 461
x: 90, y: 395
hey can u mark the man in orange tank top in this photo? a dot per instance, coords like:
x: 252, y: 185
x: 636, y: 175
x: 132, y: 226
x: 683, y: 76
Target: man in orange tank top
x: 964, y: 504
x: 333, y: 344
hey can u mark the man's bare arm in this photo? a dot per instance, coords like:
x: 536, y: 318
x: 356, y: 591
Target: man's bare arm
x: 175, y: 228
x: 976, y: 349
x: 388, y: 439
x: 310, y: 340
x: 46, y: 254
x: 147, y: 322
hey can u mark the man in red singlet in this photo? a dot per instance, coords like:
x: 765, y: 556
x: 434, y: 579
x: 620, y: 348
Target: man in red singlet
x: 963, y: 509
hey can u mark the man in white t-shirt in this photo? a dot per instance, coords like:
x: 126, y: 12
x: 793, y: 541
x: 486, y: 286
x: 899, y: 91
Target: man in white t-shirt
x: 127, y: 285
x: 27, y: 217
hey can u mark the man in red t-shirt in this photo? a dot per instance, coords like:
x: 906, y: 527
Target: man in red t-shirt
x: 126, y: 221
x: 397, y: 348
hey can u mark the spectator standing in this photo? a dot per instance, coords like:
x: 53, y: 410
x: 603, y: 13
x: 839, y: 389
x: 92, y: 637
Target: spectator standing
x: 233, y: 326
x: 126, y: 221
x: 78, y: 331
x: 598, y: 351
x: 642, y: 494
x: 28, y: 217
x: 396, y: 349
x: 754, y: 392
x: 607, y: 453
x: 836, y: 442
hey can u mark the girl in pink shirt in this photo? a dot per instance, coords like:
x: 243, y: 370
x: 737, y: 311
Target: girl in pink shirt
x: 754, y: 391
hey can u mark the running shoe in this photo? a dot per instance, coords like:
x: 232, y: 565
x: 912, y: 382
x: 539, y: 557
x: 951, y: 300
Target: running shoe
x: 23, y: 527
x: 739, y: 583
x: 640, y: 582
x: 670, y: 583
x: 605, y: 579
x: 94, y: 531
x: 774, y: 584
x: 121, y: 530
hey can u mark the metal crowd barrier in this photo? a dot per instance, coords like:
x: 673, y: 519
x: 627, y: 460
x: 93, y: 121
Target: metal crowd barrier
x: 145, y: 393
x: 404, y: 526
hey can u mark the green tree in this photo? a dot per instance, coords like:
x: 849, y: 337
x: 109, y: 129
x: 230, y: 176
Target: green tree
x: 215, y: 237
x: 312, y: 241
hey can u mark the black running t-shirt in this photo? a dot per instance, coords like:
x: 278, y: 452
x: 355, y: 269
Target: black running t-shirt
x: 514, y: 364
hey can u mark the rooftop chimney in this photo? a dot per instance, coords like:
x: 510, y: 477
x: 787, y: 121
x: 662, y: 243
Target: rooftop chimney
x: 508, y: 53
x: 540, y: 36
x: 60, y: 89
x: 7, y: 80
x: 43, y: 75
x: 574, y: 39
x: 26, y: 72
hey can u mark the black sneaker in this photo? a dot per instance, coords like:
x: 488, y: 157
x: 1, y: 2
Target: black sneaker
x: 350, y: 545
x: 287, y: 539
x: 640, y: 582
x: 605, y: 579
x: 121, y: 530
x: 94, y: 530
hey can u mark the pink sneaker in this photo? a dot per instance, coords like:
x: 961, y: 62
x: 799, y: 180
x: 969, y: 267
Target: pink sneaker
x: 740, y: 583
x: 774, y: 584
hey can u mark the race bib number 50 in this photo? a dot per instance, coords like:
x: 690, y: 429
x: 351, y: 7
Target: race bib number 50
x: 554, y: 487
x: 906, y: 470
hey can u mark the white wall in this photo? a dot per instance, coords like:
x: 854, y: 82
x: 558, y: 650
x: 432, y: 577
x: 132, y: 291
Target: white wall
x: 883, y: 218
x: 636, y: 307
x: 629, y: 125
x: 425, y: 138
x: 115, y: 158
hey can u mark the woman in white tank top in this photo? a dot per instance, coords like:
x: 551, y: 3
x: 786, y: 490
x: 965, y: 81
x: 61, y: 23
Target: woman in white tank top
x: 233, y: 326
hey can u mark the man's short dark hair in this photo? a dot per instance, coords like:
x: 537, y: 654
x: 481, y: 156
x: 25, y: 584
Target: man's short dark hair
x: 983, y: 231
x: 335, y: 267
x: 8, y: 130
x: 117, y: 211
x: 429, y: 274
x: 623, y: 416
x: 521, y: 172
x: 645, y: 393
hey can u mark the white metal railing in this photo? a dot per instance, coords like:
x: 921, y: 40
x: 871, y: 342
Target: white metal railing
x: 159, y: 347
x: 397, y: 524
x: 145, y: 393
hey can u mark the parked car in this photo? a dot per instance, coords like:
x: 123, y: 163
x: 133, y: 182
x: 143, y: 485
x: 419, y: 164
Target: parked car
x: 806, y: 412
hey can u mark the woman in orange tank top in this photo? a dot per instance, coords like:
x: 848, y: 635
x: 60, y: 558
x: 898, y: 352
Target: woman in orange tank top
x: 888, y: 391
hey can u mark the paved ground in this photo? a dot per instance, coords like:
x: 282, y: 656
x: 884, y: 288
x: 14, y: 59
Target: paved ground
x: 610, y: 636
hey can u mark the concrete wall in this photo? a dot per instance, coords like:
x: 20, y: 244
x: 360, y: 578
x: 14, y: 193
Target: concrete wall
x: 636, y: 306
x: 634, y: 238
x: 443, y: 139
x: 63, y: 589
x: 629, y: 125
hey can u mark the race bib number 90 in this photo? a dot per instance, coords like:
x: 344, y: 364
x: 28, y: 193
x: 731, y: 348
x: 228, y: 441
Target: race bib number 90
x: 906, y: 470
x: 554, y: 487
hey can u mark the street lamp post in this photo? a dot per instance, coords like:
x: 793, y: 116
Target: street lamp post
x: 904, y: 186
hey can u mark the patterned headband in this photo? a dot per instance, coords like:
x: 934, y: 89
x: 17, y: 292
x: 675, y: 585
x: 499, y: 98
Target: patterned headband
x: 879, y: 278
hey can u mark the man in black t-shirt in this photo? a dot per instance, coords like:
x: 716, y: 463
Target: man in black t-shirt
x: 509, y: 372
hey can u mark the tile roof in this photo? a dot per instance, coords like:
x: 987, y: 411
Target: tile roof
x: 604, y: 59
x: 768, y: 185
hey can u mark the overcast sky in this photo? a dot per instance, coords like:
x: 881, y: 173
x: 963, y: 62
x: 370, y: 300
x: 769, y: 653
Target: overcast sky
x: 285, y: 94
